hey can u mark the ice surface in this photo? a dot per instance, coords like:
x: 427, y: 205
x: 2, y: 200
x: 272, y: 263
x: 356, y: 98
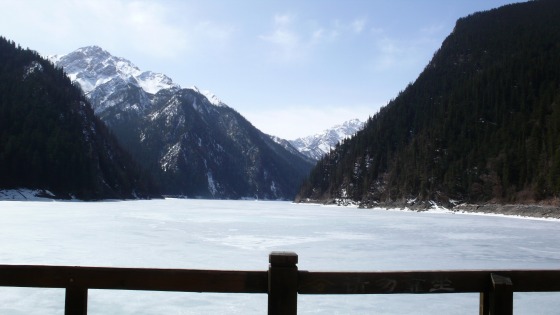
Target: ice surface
x: 239, y: 235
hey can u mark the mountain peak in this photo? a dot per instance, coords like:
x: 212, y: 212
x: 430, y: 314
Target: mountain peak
x: 188, y: 139
x: 316, y: 146
x: 93, y: 50
x: 212, y: 98
x: 95, y: 69
x: 92, y: 67
x: 63, y: 149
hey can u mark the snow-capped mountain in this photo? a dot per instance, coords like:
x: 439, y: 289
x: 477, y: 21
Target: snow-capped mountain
x: 191, y: 142
x: 92, y: 67
x: 318, y: 145
x: 52, y: 142
x: 212, y: 98
x: 106, y: 79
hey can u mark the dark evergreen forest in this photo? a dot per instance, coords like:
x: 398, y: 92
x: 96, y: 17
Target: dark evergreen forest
x: 480, y: 124
x: 50, y: 138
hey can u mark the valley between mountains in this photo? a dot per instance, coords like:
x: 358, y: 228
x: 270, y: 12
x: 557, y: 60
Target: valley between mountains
x: 478, y: 129
x: 192, y: 143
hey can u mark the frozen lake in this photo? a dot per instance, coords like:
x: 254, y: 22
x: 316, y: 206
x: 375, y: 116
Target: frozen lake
x: 239, y: 235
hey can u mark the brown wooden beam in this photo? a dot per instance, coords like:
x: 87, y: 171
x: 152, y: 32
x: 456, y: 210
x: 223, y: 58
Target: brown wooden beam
x: 257, y: 281
x: 282, y: 283
x: 392, y: 282
x: 501, y: 295
x: 76, y: 301
x: 484, y: 307
x: 462, y: 281
x: 180, y: 280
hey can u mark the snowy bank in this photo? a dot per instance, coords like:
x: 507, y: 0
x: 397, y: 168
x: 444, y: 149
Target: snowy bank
x: 521, y: 210
x: 26, y: 195
x: 536, y: 211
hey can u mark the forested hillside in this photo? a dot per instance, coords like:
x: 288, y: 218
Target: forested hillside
x: 193, y: 144
x: 481, y: 123
x: 50, y: 138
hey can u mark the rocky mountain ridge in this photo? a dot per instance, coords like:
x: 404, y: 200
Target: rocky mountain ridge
x: 190, y: 141
x: 316, y: 146
x: 50, y: 140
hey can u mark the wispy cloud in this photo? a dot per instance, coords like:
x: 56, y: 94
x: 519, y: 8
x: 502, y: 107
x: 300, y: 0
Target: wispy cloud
x: 390, y: 52
x: 292, y: 39
x: 287, y: 43
x: 119, y: 23
x: 148, y: 22
x: 149, y: 28
x: 358, y: 25
x: 214, y: 32
x: 393, y: 53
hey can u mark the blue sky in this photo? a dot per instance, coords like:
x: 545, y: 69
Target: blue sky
x: 292, y: 67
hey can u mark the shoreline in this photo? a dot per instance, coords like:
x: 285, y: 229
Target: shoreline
x: 519, y: 210
x: 537, y: 211
x: 474, y: 212
x: 509, y: 210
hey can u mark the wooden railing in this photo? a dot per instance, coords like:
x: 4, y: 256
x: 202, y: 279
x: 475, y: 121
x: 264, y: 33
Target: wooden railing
x: 283, y: 282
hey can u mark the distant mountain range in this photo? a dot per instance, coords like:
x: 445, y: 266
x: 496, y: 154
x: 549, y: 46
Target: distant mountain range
x: 316, y: 146
x: 481, y: 124
x: 193, y: 144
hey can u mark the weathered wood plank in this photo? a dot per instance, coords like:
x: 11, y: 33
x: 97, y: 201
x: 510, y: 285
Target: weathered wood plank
x: 257, y: 281
x: 283, y: 282
x: 391, y: 282
x: 533, y: 280
x: 466, y: 281
x: 135, y: 279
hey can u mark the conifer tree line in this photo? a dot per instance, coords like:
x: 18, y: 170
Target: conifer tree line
x: 50, y: 138
x: 481, y: 123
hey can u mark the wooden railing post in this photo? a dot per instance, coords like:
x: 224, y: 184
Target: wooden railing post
x: 76, y: 301
x: 501, y: 295
x: 484, y: 303
x: 282, y: 283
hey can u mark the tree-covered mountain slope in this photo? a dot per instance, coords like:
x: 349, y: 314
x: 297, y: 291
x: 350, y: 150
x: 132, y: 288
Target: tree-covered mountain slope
x: 193, y: 144
x: 480, y: 124
x: 50, y: 139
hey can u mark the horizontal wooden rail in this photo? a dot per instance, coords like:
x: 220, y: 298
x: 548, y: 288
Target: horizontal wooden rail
x: 462, y: 281
x: 283, y: 282
x: 180, y: 280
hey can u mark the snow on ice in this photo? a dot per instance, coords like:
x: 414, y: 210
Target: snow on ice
x: 239, y: 235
